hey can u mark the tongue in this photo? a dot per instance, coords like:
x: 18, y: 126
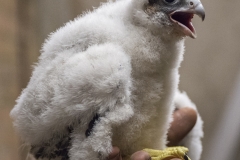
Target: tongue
x: 184, y: 19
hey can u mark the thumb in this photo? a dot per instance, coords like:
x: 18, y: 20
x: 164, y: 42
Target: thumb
x: 115, y: 154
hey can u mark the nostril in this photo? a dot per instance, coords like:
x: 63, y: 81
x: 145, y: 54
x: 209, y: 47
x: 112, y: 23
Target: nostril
x: 191, y: 3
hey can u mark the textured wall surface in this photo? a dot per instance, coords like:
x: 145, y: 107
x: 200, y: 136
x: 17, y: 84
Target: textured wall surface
x: 8, y: 83
x: 212, y: 63
x: 208, y: 72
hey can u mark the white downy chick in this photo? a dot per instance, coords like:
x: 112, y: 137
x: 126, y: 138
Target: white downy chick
x: 110, y: 77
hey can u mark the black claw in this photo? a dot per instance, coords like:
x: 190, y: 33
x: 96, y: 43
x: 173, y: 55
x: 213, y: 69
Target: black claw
x: 185, y: 157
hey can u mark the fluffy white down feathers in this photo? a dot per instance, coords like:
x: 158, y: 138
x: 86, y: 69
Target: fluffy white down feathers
x: 108, y: 63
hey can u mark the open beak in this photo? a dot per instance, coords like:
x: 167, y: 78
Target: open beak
x: 183, y: 17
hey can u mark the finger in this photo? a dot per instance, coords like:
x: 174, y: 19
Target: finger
x: 184, y: 119
x: 140, y: 155
x: 115, y: 154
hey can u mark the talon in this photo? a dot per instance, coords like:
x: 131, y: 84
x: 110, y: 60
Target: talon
x: 171, y: 152
x: 186, y: 157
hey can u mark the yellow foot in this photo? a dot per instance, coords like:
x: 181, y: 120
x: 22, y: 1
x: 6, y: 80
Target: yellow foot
x: 168, y: 153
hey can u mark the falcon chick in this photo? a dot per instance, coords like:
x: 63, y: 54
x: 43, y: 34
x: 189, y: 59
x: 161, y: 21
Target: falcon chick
x: 110, y: 77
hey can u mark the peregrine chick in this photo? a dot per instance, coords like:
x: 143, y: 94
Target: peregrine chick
x: 109, y: 77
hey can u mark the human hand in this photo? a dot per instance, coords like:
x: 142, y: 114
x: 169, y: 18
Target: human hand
x: 184, y: 119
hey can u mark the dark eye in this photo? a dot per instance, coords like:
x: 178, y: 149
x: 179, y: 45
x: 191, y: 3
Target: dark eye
x: 169, y: 1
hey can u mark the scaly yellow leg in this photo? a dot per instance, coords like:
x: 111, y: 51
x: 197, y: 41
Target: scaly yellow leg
x: 168, y: 153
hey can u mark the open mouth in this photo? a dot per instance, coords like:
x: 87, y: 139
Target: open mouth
x: 184, y: 20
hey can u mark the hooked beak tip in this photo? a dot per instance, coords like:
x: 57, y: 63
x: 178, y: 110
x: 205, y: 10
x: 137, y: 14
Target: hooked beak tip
x: 202, y: 15
x: 200, y: 11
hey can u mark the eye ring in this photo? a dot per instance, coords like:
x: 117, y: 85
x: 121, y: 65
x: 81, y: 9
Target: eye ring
x: 170, y: 1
